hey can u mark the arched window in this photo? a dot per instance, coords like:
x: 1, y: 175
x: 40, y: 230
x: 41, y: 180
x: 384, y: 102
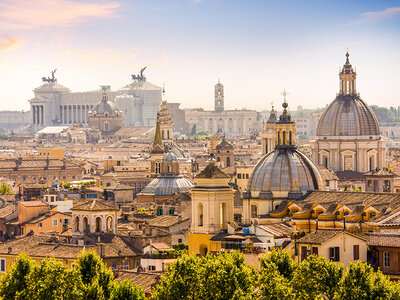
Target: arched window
x: 85, y: 225
x: 253, y: 211
x: 284, y: 138
x: 167, y: 134
x: 162, y: 134
x: 228, y: 161
x: 98, y: 224
x: 109, y: 224
x: 325, y: 161
x: 77, y: 224
x: 158, y: 166
x: 279, y: 138
x: 371, y: 163
x: 169, y: 169
x: 200, y: 214
x: 290, y: 138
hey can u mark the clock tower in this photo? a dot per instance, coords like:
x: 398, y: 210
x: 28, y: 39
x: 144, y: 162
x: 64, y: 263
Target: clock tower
x: 219, y: 97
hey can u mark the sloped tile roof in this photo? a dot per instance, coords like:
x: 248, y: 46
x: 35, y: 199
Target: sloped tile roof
x: 94, y: 205
x: 383, y: 239
x: 321, y: 236
x: 211, y: 172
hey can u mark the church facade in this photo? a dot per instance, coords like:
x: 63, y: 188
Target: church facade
x: 348, y: 134
x: 55, y: 104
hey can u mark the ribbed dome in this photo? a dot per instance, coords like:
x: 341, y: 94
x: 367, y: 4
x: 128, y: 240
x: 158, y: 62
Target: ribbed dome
x: 105, y: 106
x: 348, y: 115
x: 284, y: 170
x: 167, y: 185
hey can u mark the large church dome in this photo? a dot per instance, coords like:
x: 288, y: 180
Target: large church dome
x: 348, y: 115
x: 284, y: 172
x: 288, y: 171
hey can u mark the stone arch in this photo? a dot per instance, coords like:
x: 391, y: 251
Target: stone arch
x: 85, y: 224
x: 76, y: 222
x: 98, y: 223
x: 109, y: 224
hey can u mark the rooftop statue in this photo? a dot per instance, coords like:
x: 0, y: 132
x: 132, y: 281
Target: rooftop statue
x: 52, y: 79
x: 140, y: 76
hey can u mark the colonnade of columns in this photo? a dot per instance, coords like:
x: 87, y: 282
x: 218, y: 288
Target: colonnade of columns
x: 74, y: 113
x: 37, y: 112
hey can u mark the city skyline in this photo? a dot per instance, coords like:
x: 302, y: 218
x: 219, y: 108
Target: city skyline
x: 256, y: 48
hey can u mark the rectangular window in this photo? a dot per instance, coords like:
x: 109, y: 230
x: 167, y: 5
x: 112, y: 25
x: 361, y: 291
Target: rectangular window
x: 239, y: 176
x: 315, y: 250
x: 334, y: 253
x: 247, y: 176
x: 66, y: 221
x: 126, y: 264
x: 2, y: 265
x: 114, y: 265
x: 55, y: 222
x: 348, y: 163
x: 303, y: 252
x: 356, y: 252
x: 386, y: 259
x: 40, y: 225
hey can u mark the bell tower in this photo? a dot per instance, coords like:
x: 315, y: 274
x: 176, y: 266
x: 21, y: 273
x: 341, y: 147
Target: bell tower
x: 219, y: 97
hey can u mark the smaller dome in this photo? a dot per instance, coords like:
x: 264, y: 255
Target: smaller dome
x: 105, y: 106
x: 167, y: 185
x: 170, y: 157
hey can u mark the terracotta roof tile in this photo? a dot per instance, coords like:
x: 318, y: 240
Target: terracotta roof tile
x: 94, y: 205
x: 383, y: 239
x: 321, y: 236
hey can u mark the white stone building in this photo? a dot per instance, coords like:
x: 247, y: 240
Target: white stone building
x: 55, y: 104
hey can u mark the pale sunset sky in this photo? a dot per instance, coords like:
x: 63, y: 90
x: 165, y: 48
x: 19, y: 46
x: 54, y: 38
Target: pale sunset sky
x: 256, y: 47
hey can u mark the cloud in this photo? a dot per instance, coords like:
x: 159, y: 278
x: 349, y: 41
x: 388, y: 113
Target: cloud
x: 8, y: 43
x: 21, y: 14
x: 376, y: 16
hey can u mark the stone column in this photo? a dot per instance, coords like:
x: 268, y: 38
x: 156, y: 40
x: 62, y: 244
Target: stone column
x: 33, y: 114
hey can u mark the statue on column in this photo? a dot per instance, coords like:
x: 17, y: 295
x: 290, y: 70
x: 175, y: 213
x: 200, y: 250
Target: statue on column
x: 50, y: 79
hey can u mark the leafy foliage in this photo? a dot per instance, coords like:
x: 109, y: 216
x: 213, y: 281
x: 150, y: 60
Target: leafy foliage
x: 89, y: 279
x: 15, y: 281
x: 127, y: 291
x: 362, y: 282
x: 316, y: 276
x: 5, y: 189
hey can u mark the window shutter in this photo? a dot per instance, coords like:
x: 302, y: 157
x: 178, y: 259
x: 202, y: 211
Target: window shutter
x: 337, y: 254
x: 356, y: 251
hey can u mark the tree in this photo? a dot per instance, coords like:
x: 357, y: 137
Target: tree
x: 273, y: 285
x: 281, y: 258
x: 193, y: 132
x: 52, y: 280
x: 5, y: 189
x: 180, y: 281
x: 362, y: 282
x: 126, y: 290
x: 316, y: 276
x: 226, y: 276
x: 15, y: 280
x: 95, y: 275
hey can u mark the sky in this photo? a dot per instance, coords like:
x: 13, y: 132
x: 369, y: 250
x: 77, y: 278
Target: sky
x: 256, y: 48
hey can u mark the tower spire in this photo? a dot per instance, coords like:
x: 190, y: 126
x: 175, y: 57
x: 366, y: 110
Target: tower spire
x: 157, y: 143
